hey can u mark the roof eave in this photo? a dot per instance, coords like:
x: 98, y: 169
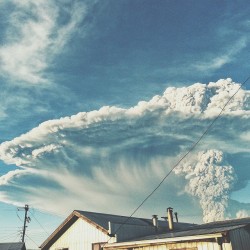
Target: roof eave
x: 59, y: 230
x: 161, y: 241
x: 65, y: 225
x: 104, y: 230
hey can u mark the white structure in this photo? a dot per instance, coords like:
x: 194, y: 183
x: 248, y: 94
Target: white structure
x: 89, y: 231
x: 222, y: 235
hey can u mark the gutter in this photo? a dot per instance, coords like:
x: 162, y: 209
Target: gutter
x: 140, y: 243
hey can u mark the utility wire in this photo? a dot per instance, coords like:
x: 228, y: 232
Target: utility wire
x: 18, y: 217
x: 32, y: 240
x: 46, y: 212
x: 33, y: 215
x: 182, y: 158
x: 10, y: 236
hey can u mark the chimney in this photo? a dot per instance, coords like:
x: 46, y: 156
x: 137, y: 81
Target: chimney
x: 155, y: 222
x: 110, y: 231
x: 170, y: 218
x: 176, y: 216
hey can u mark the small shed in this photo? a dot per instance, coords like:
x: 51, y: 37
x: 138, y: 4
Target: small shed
x: 222, y: 235
x: 13, y: 246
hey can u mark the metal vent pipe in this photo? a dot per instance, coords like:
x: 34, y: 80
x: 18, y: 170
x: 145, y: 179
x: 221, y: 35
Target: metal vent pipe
x: 176, y: 216
x: 170, y: 218
x: 155, y: 222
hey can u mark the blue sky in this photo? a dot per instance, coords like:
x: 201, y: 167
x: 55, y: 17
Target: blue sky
x: 99, y: 99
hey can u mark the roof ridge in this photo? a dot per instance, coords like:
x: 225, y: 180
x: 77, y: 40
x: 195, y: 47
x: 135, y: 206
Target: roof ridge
x: 79, y: 211
x: 227, y: 221
x: 125, y: 216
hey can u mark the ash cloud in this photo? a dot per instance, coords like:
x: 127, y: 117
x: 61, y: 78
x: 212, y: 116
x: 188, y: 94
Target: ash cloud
x: 210, y: 178
x: 117, y: 156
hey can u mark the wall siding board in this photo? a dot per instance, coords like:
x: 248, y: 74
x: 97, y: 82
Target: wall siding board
x: 240, y: 239
x: 80, y: 236
x: 199, y: 245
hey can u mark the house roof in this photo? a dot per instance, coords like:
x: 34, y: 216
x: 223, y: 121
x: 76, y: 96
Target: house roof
x: 225, y: 223
x: 207, y: 230
x: 191, y: 232
x: 101, y: 221
x: 12, y: 246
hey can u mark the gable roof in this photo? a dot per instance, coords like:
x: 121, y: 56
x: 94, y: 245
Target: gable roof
x: 101, y: 222
x: 207, y: 228
x: 98, y: 220
x: 66, y: 224
x: 225, y: 223
x: 196, y: 232
x: 12, y: 246
x: 103, y: 219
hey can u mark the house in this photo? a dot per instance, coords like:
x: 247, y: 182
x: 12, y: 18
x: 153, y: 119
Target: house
x: 88, y: 230
x: 222, y: 235
x: 13, y: 246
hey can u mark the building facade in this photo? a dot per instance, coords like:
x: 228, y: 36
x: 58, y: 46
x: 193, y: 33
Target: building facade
x: 223, y: 235
x: 89, y: 230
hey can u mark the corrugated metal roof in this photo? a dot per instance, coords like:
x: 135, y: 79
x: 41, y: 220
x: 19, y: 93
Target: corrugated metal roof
x: 225, y: 223
x: 103, y: 220
x: 207, y: 228
x: 12, y: 246
x: 191, y: 232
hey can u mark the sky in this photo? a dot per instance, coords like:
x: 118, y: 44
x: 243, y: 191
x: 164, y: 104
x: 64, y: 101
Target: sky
x: 100, y: 100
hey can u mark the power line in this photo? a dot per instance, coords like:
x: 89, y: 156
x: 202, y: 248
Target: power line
x: 46, y: 212
x: 11, y: 236
x: 32, y: 240
x: 182, y: 158
x: 18, y: 217
x: 33, y: 215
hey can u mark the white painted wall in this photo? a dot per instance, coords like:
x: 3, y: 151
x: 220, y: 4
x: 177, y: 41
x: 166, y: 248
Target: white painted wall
x: 80, y: 236
x: 182, y: 245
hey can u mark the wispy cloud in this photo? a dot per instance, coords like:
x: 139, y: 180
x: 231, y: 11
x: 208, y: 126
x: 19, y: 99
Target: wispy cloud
x: 34, y: 35
x: 118, y: 155
x: 212, y: 63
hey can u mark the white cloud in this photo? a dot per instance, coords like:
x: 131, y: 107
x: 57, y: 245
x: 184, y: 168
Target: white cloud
x: 33, y: 36
x: 212, y: 63
x: 46, y: 149
x: 119, y: 155
x: 5, y: 179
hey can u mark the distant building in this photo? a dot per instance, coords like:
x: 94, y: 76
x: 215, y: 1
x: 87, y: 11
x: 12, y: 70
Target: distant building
x: 13, y: 246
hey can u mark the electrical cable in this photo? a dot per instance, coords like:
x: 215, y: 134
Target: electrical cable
x: 32, y: 240
x: 181, y: 159
x: 33, y: 215
x: 18, y: 217
x: 46, y: 212
x: 10, y: 236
